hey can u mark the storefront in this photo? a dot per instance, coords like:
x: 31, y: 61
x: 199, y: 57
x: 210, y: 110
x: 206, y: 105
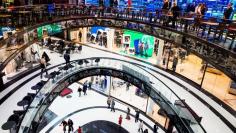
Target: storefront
x: 6, y: 3
x: 203, y: 74
x: 167, y: 56
x: 137, y: 44
x: 101, y: 36
x: 48, y: 30
x: 78, y: 35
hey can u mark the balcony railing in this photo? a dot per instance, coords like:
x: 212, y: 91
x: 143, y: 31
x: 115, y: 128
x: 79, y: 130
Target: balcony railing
x: 193, y: 33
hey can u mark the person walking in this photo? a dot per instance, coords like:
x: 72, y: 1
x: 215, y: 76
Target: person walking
x: 85, y: 88
x: 102, y: 82
x: 155, y: 128
x: 228, y: 11
x: 49, y: 41
x: 108, y: 102
x: 127, y: 86
x: 105, y: 82
x: 70, y: 125
x: 79, y: 130
x: 90, y: 85
x: 64, y: 124
x: 67, y: 57
x: 113, y: 105
x: 80, y: 36
x: 115, y: 3
x: 79, y: 90
x: 175, y: 62
x: 46, y: 57
x: 33, y: 54
x: 43, y: 66
x: 128, y: 114
x: 137, y: 115
x: 120, y: 120
x: 140, y: 129
x: 80, y: 49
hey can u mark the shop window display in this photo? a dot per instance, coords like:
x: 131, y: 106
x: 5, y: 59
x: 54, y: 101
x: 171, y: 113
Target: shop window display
x: 98, y: 35
x: 135, y: 44
x: 163, y: 54
x: 76, y: 35
x: 119, y: 89
x: 138, y: 43
x: 129, y: 93
x: 49, y: 30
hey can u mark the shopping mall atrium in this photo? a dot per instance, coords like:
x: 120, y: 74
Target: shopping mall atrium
x: 117, y: 66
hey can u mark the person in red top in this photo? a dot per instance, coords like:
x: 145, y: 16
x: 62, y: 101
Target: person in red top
x: 120, y: 120
x: 79, y: 130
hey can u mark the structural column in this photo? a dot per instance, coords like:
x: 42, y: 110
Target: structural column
x: 110, y: 38
x: 1, y: 80
x: 160, y: 52
x: 170, y: 127
x: 84, y: 35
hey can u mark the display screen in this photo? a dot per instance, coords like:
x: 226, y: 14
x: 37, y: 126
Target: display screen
x: 4, y: 29
x: 50, y: 29
x: 142, y: 44
x: 51, y: 8
x: 94, y: 30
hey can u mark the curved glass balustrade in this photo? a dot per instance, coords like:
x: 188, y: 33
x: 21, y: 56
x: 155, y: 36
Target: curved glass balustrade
x: 158, y: 91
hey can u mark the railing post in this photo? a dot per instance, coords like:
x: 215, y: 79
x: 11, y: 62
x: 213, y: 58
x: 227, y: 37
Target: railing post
x: 1, y: 80
x: 204, y: 73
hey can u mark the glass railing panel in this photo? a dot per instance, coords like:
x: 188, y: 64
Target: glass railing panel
x: 168, y: 102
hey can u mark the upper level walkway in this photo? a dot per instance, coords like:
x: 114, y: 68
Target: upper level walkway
x: 205, y: 37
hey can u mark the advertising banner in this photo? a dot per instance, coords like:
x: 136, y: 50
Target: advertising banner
x: 141, y: 43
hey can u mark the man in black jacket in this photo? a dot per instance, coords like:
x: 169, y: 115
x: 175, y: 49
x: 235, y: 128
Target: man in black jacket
x: 175, y: 11
x: 166, y: 5
x: 67, y: 58
x: 228, y: 11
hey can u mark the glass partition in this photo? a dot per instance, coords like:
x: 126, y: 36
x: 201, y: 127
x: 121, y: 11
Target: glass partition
x: 160, y: 92
x: 158, y: 114
x: 186, y: 64
x: 129, y: 93
x: 25, y: 60
x: 219, y: 85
